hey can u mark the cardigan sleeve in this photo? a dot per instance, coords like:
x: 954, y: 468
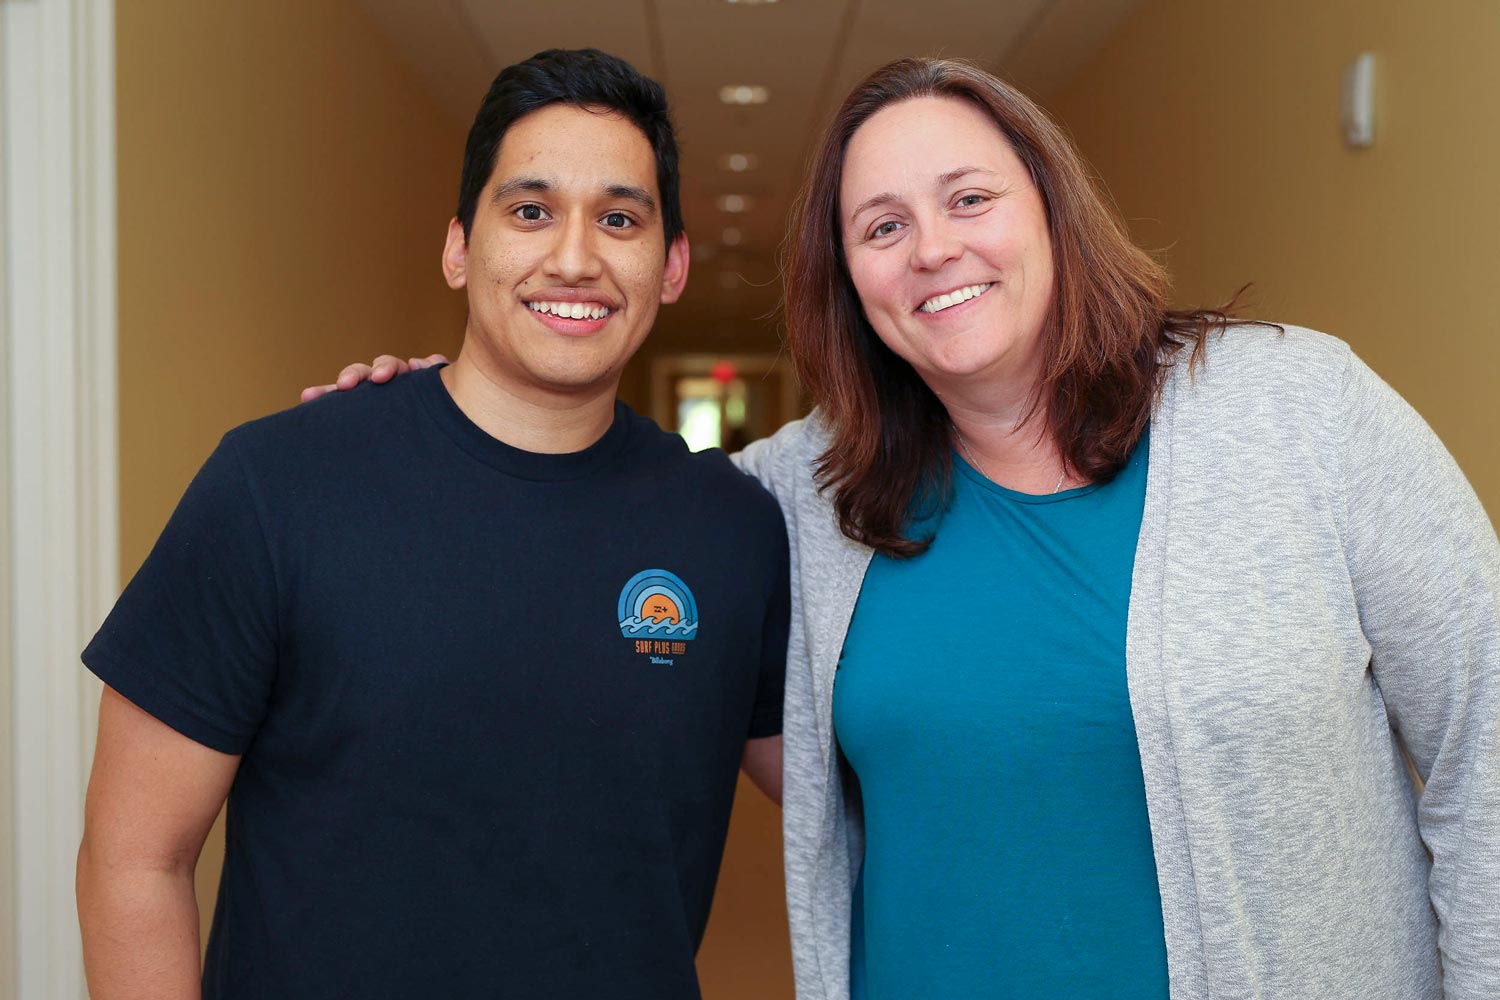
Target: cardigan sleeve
x: 1425, y: 565
x: 774, y: 461
x: 814, y: 829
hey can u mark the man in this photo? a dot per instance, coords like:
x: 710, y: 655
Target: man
x: 517, y: 780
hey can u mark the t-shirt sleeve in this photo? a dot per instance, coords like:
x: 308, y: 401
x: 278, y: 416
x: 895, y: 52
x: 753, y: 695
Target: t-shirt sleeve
x: 766, y: 720
x: 193, y: 639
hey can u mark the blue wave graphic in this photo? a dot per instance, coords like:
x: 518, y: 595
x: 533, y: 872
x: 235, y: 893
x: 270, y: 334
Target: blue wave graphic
x: 636, y: 628
x: 644, y: 584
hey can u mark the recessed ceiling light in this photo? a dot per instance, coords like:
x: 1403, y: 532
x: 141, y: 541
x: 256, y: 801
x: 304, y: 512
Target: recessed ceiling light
x: 744, y: 93
x: 734, y: 203
x: 739, y: 162
x: 731, y: 236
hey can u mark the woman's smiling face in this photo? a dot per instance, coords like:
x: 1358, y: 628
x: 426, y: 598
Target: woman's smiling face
x: 947, y: 242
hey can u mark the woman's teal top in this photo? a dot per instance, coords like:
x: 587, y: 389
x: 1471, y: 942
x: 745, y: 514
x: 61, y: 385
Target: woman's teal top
x: 981, y: 702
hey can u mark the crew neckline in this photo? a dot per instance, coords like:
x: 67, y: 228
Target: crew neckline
x: 508, y: 459
x: 979, y: 479
x: 984, y: 482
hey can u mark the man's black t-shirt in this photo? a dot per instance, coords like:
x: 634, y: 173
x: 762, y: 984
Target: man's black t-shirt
x: 491, y: 704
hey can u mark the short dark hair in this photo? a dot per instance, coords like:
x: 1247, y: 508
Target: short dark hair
x: 583, y: 78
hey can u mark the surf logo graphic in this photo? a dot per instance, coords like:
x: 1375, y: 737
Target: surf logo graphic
x: 657, y: 605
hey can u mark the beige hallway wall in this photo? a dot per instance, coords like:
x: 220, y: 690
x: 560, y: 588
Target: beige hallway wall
x: 284, y: 191
x: 1216, y: 127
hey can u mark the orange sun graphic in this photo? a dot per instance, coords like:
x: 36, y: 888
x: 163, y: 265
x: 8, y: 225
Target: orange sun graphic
x: 661, y: 608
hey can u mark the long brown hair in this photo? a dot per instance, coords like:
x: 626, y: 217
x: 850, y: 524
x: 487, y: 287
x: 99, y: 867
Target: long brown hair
x: 1109, y: 337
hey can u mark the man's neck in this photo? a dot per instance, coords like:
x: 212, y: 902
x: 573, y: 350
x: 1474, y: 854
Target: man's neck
x: 536, y: 421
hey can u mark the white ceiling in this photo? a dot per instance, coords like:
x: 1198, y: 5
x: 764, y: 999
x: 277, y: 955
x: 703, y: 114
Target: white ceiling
x: 807, y: 52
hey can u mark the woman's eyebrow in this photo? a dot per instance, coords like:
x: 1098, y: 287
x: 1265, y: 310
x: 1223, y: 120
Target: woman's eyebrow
x: 877, y: 201
x: 943, y: 180
x: 961, y: 172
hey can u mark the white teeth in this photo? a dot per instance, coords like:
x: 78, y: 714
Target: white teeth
x: 940, y: 302
x: 570, y: 310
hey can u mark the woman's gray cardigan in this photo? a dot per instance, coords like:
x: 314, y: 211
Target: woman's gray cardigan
x: 1316, y: 595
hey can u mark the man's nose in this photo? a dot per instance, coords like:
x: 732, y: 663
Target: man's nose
x: 574, y: 257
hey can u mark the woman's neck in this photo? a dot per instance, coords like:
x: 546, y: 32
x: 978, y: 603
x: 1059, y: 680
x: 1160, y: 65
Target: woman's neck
x: 1008, y: 440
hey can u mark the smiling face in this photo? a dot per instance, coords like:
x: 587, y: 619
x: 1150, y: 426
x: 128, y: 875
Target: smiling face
x: 564, y: 264
x: 947, y: 244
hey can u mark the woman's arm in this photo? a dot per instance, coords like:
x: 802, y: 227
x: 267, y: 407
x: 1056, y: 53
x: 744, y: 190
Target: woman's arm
x: 383, y: 369
x: 1425, y: 564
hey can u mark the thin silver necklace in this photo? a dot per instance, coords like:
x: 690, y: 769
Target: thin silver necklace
x: 969, y: 453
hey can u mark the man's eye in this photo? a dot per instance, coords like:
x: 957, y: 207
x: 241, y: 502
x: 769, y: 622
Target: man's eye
x: 531, y: 213
x: 618, y: 220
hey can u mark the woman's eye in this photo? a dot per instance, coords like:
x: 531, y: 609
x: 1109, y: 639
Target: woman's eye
x: 884, y: 229
x: 531, y: 213
x: 618, y: 220
x: 971, y: 200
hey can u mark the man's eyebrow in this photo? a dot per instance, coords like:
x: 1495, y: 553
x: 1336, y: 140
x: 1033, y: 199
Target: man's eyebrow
x: 629, y: 192
x: 519, y: 185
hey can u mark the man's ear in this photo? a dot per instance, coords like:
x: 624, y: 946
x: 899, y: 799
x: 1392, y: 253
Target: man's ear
x: 456, y: 256
x: 674, y: 277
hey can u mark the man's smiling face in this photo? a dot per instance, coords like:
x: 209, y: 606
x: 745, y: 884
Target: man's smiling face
x: 566, y: 262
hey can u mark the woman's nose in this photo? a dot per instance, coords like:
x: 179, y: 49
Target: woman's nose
x: 934, y: 244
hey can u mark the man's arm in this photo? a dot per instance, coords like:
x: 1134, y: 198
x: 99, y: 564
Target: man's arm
x: 152, y: 798
x: 762, y: 762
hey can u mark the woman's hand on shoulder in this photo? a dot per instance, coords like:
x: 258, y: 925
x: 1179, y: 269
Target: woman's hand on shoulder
x: 382, y: 369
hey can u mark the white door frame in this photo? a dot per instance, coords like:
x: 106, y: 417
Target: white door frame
x: 58, y: 464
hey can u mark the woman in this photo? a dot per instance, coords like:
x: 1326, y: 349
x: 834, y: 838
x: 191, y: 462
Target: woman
x: 1198, y: 653
x: 1114, y: 627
